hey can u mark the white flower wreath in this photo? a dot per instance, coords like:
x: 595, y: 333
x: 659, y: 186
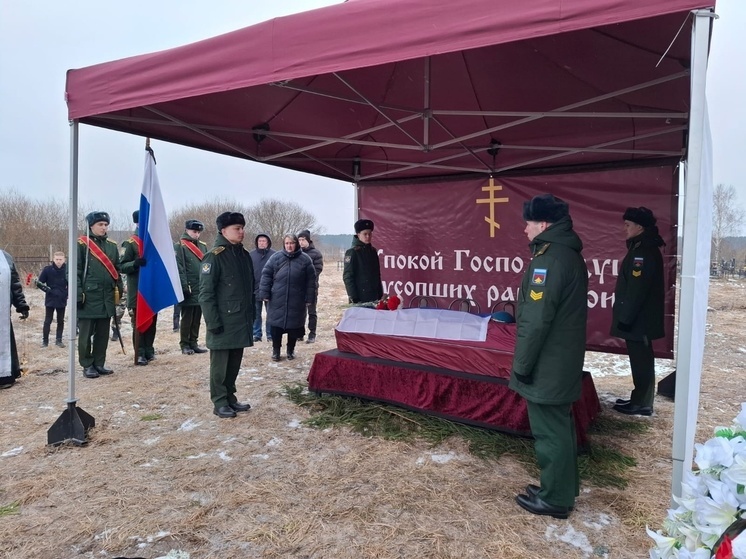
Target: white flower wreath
x: 713, y: 499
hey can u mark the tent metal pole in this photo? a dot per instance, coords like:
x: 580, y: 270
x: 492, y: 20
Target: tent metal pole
x: 72, y: 252
x: 695, y: 259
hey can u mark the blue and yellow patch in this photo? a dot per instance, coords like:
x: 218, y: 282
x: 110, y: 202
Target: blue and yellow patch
x: 637, y: 262
x: 206, y: 267
x: 539, y: 277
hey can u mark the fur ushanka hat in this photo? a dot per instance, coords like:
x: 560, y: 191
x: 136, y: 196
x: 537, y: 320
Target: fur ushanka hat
x: 545, y: 207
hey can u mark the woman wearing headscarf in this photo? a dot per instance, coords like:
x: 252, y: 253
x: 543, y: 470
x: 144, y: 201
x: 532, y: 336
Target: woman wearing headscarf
x: 288, y: 285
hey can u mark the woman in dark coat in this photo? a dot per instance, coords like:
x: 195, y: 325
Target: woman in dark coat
x: 288, y: 285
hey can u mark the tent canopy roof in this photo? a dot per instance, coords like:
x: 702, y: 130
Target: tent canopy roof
x: 406, y: 89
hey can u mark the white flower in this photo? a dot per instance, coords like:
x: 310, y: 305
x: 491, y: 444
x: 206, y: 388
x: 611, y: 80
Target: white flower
x: 741, y: 417
x: 715, y: 452
x: 701, y: 553
x: 665, y: 545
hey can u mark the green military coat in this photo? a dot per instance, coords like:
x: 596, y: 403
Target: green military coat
x: 640, y: 291
x: 131, y: 270
x: 95, y: 284
x: 226, y: 295
x: 362, y: 273
x: 189, y: 266
x: 551, y: 319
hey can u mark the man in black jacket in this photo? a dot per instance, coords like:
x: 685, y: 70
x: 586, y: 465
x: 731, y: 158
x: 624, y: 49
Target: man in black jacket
x: 53, y: 282
x: 638, y: 306
x: 306, y: 245
x: 259, y: 257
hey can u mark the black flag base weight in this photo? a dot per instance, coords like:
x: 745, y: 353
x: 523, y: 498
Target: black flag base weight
x: 72, y: 426
x: 667, y: 386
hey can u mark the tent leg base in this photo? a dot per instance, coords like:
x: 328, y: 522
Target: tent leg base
x: 72, y: 426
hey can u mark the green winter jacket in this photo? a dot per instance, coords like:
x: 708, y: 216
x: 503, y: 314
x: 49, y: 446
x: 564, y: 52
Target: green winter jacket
x: 551, y: 319
x: 362, y: 273
x: 226, y: 295
x: 639, y: 293
x: 189, y: 266
x: 95, y: 284
x: 131, y: 270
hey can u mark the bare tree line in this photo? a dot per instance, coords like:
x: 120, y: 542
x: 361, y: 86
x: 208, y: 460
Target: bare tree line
x: 30, y: 229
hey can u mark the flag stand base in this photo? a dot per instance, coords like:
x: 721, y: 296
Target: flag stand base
x: 72, y: 426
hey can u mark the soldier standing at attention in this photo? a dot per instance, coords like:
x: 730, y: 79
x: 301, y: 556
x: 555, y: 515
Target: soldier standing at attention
x: 189, y: 254
x: 549, y: 351
x: 226, y: 294
x: 99, y: 288
x: 638, y: 306
x: 362, y: 270
x: 132, y: 261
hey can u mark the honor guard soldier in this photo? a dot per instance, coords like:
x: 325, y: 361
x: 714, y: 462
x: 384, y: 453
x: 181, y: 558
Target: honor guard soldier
x: 132, y: 261
x: 226, y: 294
x: 362, y: 270
x: 549, y: 351
x: 638, y: 306
x: 99, y: 288
x: 189, y: 254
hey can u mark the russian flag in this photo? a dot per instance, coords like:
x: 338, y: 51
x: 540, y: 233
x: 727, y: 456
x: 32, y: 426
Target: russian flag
x: 159, y: 286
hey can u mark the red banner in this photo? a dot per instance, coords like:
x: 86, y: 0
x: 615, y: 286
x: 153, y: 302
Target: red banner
x: 465, y: 239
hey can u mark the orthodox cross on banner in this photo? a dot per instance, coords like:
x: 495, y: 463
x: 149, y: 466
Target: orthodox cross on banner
x: 491, y: 188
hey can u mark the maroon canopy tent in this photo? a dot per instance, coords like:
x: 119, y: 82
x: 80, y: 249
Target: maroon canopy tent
x: 379, y: 92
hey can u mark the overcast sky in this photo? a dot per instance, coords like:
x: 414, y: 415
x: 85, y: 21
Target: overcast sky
x: 40, y: 41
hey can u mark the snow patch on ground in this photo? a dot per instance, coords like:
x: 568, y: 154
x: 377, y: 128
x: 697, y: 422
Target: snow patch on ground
x: 600, y: 523
x: 12, y: 452
x: 437, y: 458
x: 151, y: 442
x: 294, y: 424
x: 569, y: 535
x: 274, y: 441
x: 189, y: 425
x: 224, y: 456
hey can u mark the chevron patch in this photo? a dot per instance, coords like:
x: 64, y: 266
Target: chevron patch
x: 536, y: 295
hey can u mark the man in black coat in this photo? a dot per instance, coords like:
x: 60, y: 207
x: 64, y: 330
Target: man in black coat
x: 638, y: 306
x: 259, y: 257
x: 53, y: 282
x: 306, y: 245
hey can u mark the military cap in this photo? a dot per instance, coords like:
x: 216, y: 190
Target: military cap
x: 95, y: 217
x: 363, y: 224
x: 194, y: 225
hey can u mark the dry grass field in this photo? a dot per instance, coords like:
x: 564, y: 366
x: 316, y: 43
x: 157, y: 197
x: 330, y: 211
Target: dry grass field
x: 162, y: 473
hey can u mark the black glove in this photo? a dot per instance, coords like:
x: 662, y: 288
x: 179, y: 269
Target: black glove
x: 525, y: 379
x: 623, y: 327
x: 216, y: 331
x: 23, y: 311
x: 139, y: 263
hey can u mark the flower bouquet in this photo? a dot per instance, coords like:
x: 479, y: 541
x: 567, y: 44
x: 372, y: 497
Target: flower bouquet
x: 711, y: 514
x: 388, y: 303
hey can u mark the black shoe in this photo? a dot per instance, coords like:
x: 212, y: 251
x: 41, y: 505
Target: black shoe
x: 151, y: 358
x: 257, y: 338
x: 311, y: 339
x: 142, y: 361
x: 114, y: 337
x: 301, y: 338
x: 238, y: 406
x: 633, y: 409
x: 535, y: 505
x: 177, y: 329
x: 224, y: 412
x: 59, y: 343
x: 533, y: 492
x: 291, y: 355
x: 45, y: 344
x: 187, y: 350
x: 622, y: 401
x: 197, y: 349
x: 90, y: 372
x: 276, y: 356
x: 103, y: 370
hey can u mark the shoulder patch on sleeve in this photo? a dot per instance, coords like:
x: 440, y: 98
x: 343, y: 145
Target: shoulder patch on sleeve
x: 347, y: 258
x: 206, y: 267
x: 536, y: 295
x: 539, y: 277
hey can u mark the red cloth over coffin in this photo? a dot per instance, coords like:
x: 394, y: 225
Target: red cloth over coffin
x: 458, y: 380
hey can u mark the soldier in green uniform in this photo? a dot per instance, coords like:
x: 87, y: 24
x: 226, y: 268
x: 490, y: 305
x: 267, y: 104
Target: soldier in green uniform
x: 99, y: 288
x: 189, y: 254
x: 131, y: 263
x: 362, y: 270
x: 549, y: 351
x: 227, y: 299
x: 638, y: 306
